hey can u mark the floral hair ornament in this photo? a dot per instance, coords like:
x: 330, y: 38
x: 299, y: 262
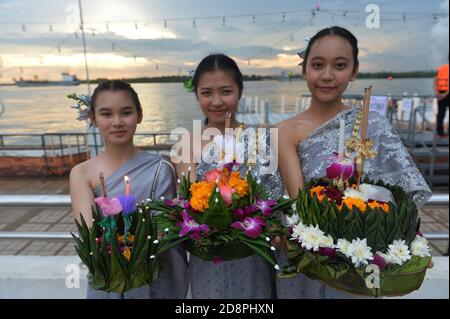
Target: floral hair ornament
x: 189, y: 83
x: 302, y: 53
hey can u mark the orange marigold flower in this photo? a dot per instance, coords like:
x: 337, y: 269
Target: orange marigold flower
x: 127, y: 253
x: 319, y: 191
x: 351, y: 201
x: 376, y: 204
x: 130, y: 238
x: 201, y: 192
x: 238, y: 184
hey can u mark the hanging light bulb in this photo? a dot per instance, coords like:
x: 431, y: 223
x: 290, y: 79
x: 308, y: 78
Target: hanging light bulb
x: 50, y: 28
x: 284, y: 17
x: 404, y: 17
x: 107, y: 26
x: 24, y: 28
x: 194, y: 24
x: 135, y: 26
x: 165, y: 24
x: 254, y: 19
x: 223, y: 22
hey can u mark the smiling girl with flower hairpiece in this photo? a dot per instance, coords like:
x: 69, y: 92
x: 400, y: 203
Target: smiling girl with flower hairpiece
x: 116, y: 111
x: 307, y: 140
x: 218, y: 85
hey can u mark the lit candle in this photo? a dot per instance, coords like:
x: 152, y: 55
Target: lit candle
x: 341, y: 141
x: 127, y: 185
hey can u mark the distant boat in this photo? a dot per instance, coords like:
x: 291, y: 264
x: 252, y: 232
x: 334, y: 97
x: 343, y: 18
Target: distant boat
x: 67, y: 80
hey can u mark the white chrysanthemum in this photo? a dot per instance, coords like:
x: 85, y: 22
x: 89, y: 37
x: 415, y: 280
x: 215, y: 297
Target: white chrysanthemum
x: 359, y: 252
x: 350, y: 192
x: 398, y: 252
x: 311, y: 238
x: 327, y: 241
x: 297, y: 232
x: 342, y: 246
x: 419, y: 247
x: 292, y: 220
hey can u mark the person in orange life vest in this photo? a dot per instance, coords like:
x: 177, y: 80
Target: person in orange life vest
x: 441, y: 90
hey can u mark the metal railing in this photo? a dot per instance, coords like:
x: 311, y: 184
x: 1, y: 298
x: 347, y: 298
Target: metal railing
x: 437, y: 200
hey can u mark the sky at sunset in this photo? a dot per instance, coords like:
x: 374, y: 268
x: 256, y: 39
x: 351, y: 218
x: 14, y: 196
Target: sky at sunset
x: 137, y: 38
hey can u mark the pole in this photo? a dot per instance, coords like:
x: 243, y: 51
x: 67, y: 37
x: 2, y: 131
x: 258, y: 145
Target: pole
x: 84, y: 47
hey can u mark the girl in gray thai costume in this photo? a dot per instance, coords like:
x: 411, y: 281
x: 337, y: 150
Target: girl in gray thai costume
x: 116, y: 111
x: 307, y: 140
x: 218, y: 86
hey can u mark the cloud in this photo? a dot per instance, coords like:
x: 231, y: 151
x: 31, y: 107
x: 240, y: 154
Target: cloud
x: 439, y: 35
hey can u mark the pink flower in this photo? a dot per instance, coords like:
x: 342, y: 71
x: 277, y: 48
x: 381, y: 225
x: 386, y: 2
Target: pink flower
x: 213, y: 175
x: 264, y: 205
x: 327, y: 251
x: 379, y: 261
x: 190, y: 225
x: 109, y: 207
x: 252, y: 227
x: 217, y: 260
x: 338, y: 169
x: 227, y: 194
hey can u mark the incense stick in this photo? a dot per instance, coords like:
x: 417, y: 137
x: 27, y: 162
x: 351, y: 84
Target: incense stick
x: 102, y: 182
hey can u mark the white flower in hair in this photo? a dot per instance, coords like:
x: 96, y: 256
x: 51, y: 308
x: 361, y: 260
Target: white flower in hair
x: 419, y: 247
x: 359, y: 252
x: 398, y: 252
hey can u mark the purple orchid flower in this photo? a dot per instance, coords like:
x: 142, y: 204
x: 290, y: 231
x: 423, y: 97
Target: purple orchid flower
x: 327, y: 251
x: 217, y: 260
x: 128, y: 204
x: 189, y: 225
x: 341, y: 169
x: 172, y: 202
x: 379, y: 261
x: 252, y: 226
x: 239, y: 213
x: 177, y: 202
x: 231, y: 165
x: 264, y: 205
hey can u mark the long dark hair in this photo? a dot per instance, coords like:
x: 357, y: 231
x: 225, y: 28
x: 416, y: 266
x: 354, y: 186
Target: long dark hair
x: 221, y: 62
x: 116, y: 85
x: 335, y: 30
